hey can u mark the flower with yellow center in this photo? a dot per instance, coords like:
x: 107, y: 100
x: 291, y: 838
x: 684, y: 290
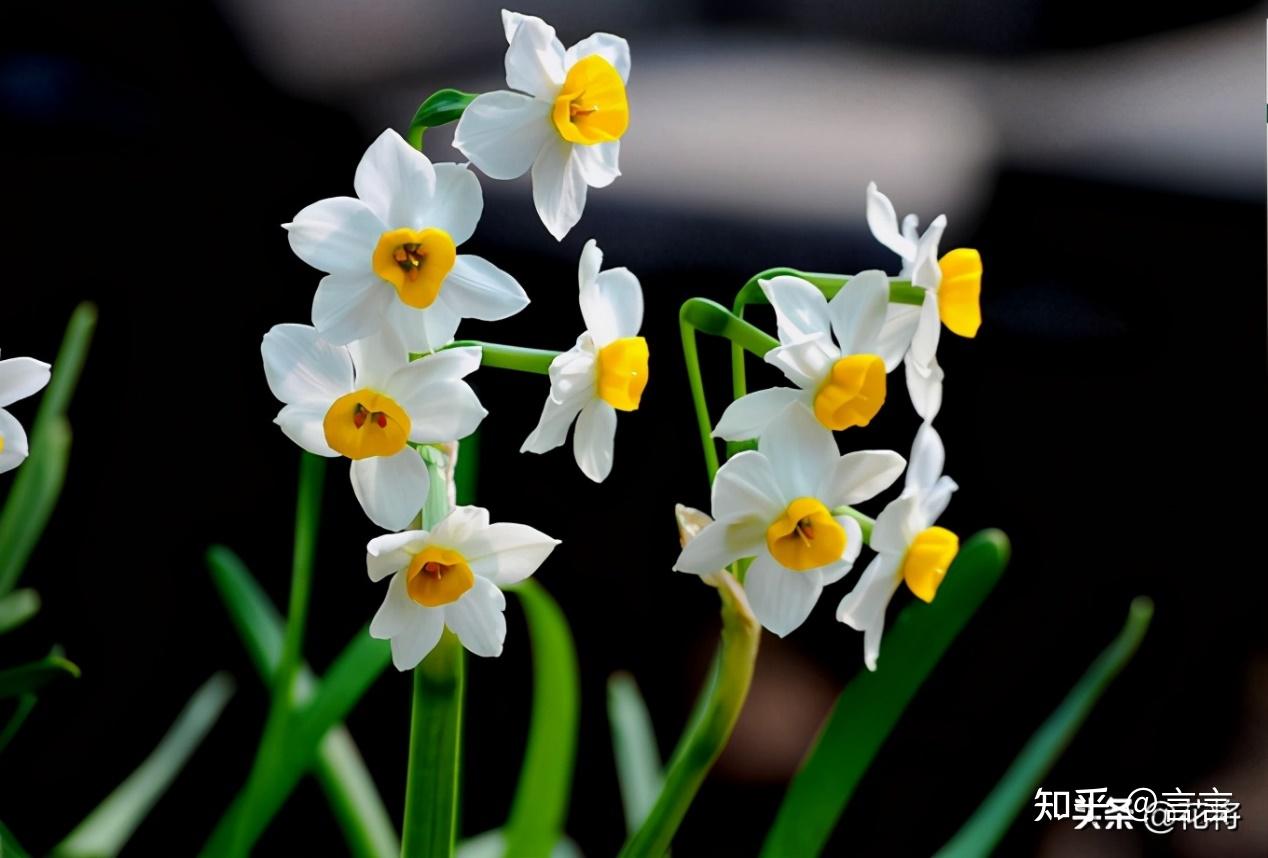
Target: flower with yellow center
x: 19, y: 378
x: 775, y: 505
x: 953, y: 287
x: 605, y: 372
x: 908, y: 546
x: 450, y: 576
x: 843, y: 381
x: 367, y: 402
x: 391, y: 252
x: 565, y: 122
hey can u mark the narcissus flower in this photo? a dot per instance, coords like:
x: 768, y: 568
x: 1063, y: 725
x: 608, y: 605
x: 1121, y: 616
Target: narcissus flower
x: 19, y: 378
x: 450, y: 576
x: 842, y: 382
x: 605, y: 372
x: 776, y: 504
x: 908, y: 546
x: 367, y: 402
x: 952, y: 284
x: 391, y: 252
x: 568, y: 126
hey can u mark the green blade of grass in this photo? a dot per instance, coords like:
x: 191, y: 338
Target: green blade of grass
x: 638, y: 766
x: 868, y: 708
x: 24, y: 678
x: 17, y: 608
x: 20, y: 713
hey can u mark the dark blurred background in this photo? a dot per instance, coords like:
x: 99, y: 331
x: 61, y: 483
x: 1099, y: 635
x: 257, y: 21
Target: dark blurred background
x: 1107, y: 417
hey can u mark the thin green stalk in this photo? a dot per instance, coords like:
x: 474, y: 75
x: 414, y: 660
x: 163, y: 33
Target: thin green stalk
x: 312, y: 471
x: 700, y: 749
x: 429, y: 829
x: 704, y: 424
x: 510, y: 357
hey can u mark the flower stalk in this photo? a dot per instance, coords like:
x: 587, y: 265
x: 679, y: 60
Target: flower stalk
x: 510, y: 357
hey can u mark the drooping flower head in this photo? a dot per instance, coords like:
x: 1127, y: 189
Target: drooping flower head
x: 605, y: 372
x: 777, y: 505
x: 391, y: 252
x: 908, y: 546
x: 841, y: 382
x: 450, y: 576
x: 565, y: 122
x: 20, y: 377
x: 952, y: 284
x: 366, y: 401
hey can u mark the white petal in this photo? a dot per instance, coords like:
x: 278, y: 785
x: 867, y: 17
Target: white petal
x: 456, y: 205
x: 896, y: 334
x: 478, y: 289
x: 800, y: 451
x: 15, y: 448
x: 552, y: 427
x: 302, y: 423
x: 301, y: 367
x: 863, y: 608
x: 397, y: 613
x: 781, y: 599
x: 395, y: 180
x: 534, y: 57
x: 502, y: 132
x: 834, y: 572
x: 349, y: 306
x: 572, y: 373
x: 925, y: 388
x: 745, y: 487
x: 924, y: 342
x: 860, y: 475
x: 409, y: 385
x: 858, y: 312
x: 391, y: 489
x: 412, y: 643
x: 800, y: 308
x: 423, y: 330
x: 478, y: 618
x: 20, y: 377
x: 593, y: 439
x: 747, y: 416
x: 599, y: 163
x: 896, y: 526
x: 506, y: 553
x: 443, y: 411
x: 613, y: 306
x: 927, y: 458
x: 335, y: 235
x: 460, y: 525
x: 559, y: 188
x: 612, y: 48
x: 720, y: 544
x: 934, y: 502
x: 883, y: 221
x: 377, y: 358
x: 925, y: 271
x: 392, y: 552
x: 588, y: 266
x: 805, y: 363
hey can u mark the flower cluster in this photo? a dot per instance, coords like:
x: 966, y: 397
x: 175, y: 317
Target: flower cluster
x: 378, y: 374
x: 787, y: 507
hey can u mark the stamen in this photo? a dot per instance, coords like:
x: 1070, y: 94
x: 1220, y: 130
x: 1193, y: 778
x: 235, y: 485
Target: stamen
x: 381, y: 419
x: 575, y: 110
x: 432, y: 568
x: 806, y: 530
x: 358, y: 416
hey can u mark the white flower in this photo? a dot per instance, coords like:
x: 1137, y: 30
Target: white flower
x: 391, y: 252
x: 366, y: 401
x: 605, y: 372
x: 775, y: 504
x: 952, y: 288
x: 451, y: 576
x: 843, y: 383
x: 908, y: 547
x: 19, y: 378
x: 567, y: 128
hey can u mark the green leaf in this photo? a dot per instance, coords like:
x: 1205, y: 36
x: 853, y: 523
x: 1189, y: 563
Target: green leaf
x: 105, y: 831
x: 36, y: 674
x: 541, y: 800
x: 17, y: 608
x: 870, y: 706
x: 984, y: 830
x: 39, y: 479
x: 20, y: 713
x: 9, y: 846
x: 337, y: 766
x: 638, y: 765
x: 492, y: 844
x: 440, y: 108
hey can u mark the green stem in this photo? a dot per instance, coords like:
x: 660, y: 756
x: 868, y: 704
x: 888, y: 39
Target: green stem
x: 312, y: 471
x: 431, y: 786
x: 509, y: 357
x: 701, y: 746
